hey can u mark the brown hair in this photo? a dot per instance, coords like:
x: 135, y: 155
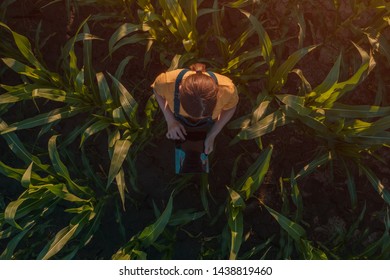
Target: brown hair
x: 198, y: 93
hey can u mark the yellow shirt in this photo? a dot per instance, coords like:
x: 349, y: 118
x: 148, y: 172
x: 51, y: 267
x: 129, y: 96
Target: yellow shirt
x: 227, y: 97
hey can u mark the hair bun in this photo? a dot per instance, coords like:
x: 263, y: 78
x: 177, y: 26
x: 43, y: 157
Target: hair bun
x: 198, y: 68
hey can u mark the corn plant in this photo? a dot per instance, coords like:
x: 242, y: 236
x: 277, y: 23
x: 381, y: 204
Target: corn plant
x: 346, y: 243
x: 163, y: 25
x: 159, y: 235
x: 244, y: 188
x: 36, y: 209
x: 342, y: 244
x: 345, y: 137
x: 293, y: 240
x: 83, y: 94
x: 79, y: 91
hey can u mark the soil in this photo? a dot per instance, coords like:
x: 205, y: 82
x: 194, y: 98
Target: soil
x: 326, y: 199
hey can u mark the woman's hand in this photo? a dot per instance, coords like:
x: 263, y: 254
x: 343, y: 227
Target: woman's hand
x: 176, y: 130
x: 209, y: 144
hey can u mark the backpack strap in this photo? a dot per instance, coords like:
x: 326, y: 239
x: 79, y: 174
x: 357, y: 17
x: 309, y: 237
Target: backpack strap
x: 176, y: 100
x: 212, y: 75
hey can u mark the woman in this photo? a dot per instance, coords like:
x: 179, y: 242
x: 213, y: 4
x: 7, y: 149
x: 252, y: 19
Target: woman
x: 201, y: 98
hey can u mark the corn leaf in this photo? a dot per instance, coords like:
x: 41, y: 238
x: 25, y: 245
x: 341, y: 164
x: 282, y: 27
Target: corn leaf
x: 26, y: 204
x: 279, y: 78
x: 296, y: 197
x: 89, y: 72
x: 183, y: 217
x: 121, y: 183
x: 61, y: 239
x: 93, y: 129
x: 18, y: 148
x: 356, y: 111
x: 294, y: 230
x: 176, y: 14
x: 264, y: 126
x: 13, y: 243
x: 150, y: 234
x: 121, y: 149
x: 264, y: 40
x: 336, y: 92
x: 235, y: 222
x: 26, y: 178
x: 42, y: 119
x: 314, y: 164
x: 24, y: 47
x: 129, y: 105
x: 376, y: 183
x: 123, y: 30
x: 330, y: 80
x: 256, y: 173
x: 62, y: 170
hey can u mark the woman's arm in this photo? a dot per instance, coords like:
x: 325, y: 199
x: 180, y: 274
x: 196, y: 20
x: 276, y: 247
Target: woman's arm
x: 176, y: 130
x: 224, y: 117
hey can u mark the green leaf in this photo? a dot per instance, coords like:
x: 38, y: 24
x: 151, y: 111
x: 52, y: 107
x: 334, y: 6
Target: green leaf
x: 18, y: 66
x: 62, y: 192
x: 119, y: 71
x: 121, y: 183
x: 42, y: 119
x: 261, y: 110
x: 150, y: 234
x: 27, y: 203
x: 295, y: 102
x: 351, y: 185
x: 183, y: 217
x: 314, y: 164
x: 93, y: 129
x: 264, y: 40
x: 293, y: 229
x: 121, y: 149
x: 238, y: 61
x: 236, y: 200
x: 89, y: 72
x: 18, y: 174
x: 104, y: 90
x: 24, y: 47
x: 256, y: 173
x: 13, y: 243
x: 235, y: 222
x: 176, y: 15
x: 339, y: 89
x: 56, y: 95
x: 356, y: 111
x: 264, y: 126
x: 62, y: 170
x: 70, y: 137
x: 279, y: 78
x: 376, y: 183
x: 129, y: 105
x: 14, y: 95
x: 296, y: 197
x: 61, y: 239
x: 124, y: 30
x: 217, y: 16
x: 330, y: 80
x: 10, y: 212
x: 26, y: 178
x: 18, y: 148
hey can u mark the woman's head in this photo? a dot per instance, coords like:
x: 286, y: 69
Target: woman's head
x: 198, y: 93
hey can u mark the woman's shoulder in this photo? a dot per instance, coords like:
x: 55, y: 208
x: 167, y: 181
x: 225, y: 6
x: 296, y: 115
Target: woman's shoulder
x: 170, y: 76
x: 224, y: 80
